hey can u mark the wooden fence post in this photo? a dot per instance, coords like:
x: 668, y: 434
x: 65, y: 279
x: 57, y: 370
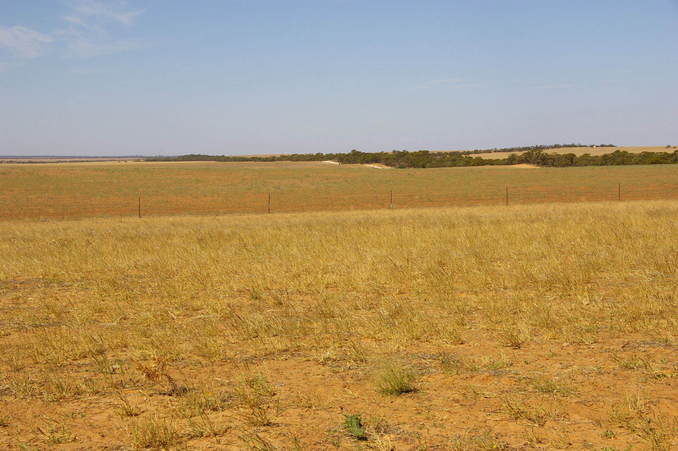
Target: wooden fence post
x: 268, y: 205
x: 619, y: 191
x: 506, y: 197
x: 390, y: 205
x: 139, y: 206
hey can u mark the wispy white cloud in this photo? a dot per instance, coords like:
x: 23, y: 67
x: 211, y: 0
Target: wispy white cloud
x: 23, y: 42
x: 87, y: 46
x: 117, y: 11
x: 87, y: 32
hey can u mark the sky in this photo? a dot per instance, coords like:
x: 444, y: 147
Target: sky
x: 169, y: 77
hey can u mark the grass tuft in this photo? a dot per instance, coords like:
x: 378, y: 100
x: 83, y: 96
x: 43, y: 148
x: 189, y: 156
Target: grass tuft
x: 154, y: 432
x: 396, y: 380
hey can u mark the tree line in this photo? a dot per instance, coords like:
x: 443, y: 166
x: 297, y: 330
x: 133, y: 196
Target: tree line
x: 427, y: 159
x: 527, y: 148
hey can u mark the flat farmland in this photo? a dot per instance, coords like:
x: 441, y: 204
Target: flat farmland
x: 101, y: 189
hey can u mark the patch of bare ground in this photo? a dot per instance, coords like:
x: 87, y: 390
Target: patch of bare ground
x: 377, y: 166
x: 516, y: 166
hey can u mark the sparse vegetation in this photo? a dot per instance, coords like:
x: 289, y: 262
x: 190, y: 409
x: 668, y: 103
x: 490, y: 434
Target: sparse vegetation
x: 257, y: 399
x: 262, y: 332
x: 55, y: 433
x: 537, y: 414
x: 482, y: 440
x: 154, y: 432
x: 552, y: 386
x: 125, y: 408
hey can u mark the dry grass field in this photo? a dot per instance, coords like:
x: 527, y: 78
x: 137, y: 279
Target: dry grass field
x: 101, y: 189
x: 485, y: 328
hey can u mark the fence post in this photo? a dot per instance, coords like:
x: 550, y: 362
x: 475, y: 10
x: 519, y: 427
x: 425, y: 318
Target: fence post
x: 619, y: 191
x: 390, y: 205
x: 268, y: 205
x: 139, y: 206
x: 506, y: 197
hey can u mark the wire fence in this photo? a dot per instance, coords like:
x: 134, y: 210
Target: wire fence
x: 55, y: 207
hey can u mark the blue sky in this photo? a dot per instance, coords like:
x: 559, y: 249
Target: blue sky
x: 150, y: 77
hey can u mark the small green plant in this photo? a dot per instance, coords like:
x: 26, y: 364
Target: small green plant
x: 353, y: 424
x: 395, y: 380
x: 609, y: 434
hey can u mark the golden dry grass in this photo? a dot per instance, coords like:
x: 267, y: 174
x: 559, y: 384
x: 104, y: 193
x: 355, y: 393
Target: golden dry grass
x: 81, y: 190
x: 547, y: 326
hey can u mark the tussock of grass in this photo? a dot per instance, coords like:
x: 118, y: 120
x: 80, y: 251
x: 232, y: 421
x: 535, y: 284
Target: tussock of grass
x: 199, y: 402
x: 154, y: 433
x: 395, y: 380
